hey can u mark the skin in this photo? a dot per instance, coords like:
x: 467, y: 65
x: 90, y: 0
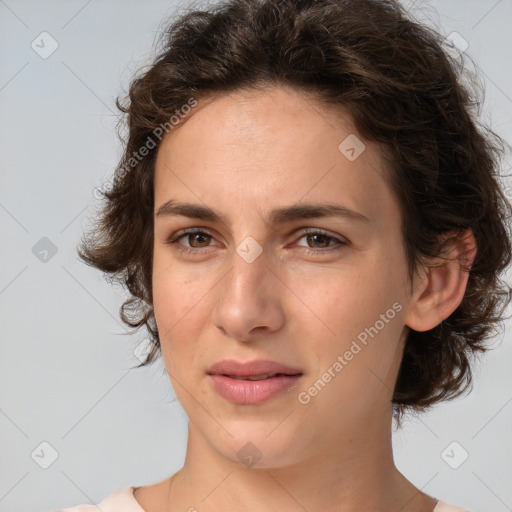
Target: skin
x: 244, y: 154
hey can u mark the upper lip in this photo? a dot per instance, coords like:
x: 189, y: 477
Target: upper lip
x: 250, y: 368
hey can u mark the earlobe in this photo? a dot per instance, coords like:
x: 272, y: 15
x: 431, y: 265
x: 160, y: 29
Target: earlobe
x: 441, y: 288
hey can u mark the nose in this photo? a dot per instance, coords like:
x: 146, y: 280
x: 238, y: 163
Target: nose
x: 249, y: 303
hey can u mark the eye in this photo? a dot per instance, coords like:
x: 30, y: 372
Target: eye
x: 323, y: 238
x: 193, y: 236
x: 197, y: 237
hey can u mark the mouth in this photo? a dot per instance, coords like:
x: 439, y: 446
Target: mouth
x: 253, y: 382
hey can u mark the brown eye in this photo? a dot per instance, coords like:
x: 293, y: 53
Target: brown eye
x: 196, y: 240
x: 200, y: 238
x: 321, y: 239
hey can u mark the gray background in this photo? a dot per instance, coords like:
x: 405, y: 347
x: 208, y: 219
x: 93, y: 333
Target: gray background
x: 65, y: 375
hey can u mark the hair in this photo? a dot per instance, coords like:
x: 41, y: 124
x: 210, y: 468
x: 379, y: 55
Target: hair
x: 402, y: 89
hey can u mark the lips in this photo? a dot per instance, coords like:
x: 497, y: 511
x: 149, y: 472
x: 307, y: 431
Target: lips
x: 253, y: 382
x: 252, y: 370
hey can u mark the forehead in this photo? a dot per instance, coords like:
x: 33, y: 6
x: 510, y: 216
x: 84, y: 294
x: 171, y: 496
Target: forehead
x: 279, y: 146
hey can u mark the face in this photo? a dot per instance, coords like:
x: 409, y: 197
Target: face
x: 322, y: 293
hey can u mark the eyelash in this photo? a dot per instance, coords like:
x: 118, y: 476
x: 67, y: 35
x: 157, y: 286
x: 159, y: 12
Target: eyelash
x: 191, y: 231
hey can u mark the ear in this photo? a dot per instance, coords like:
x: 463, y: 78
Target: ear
x: 439, y: 288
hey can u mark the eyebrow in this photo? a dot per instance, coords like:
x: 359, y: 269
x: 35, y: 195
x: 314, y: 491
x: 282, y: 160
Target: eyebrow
x: 274, y: 217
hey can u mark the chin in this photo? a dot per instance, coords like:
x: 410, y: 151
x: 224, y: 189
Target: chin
x: 258, y: 444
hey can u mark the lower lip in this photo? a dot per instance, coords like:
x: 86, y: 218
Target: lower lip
x: 251, y: 392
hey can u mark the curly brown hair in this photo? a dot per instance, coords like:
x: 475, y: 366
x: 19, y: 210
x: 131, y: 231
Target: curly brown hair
x: 402, y: 89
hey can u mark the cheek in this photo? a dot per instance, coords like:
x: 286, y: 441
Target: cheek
x: 174, y: 292
x: 347, y: 300
x: 359, y: 316
x: 177, y: 307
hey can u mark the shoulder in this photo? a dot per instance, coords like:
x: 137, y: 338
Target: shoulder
x: 120, y: 500
x: 441, y: 506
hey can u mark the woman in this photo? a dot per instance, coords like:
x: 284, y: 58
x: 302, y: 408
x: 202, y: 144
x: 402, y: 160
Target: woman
x: 309, y: 221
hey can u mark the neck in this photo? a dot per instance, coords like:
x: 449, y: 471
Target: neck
x: 352, y: 473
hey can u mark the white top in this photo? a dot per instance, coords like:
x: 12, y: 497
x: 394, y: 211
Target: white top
x: 123, y: 500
